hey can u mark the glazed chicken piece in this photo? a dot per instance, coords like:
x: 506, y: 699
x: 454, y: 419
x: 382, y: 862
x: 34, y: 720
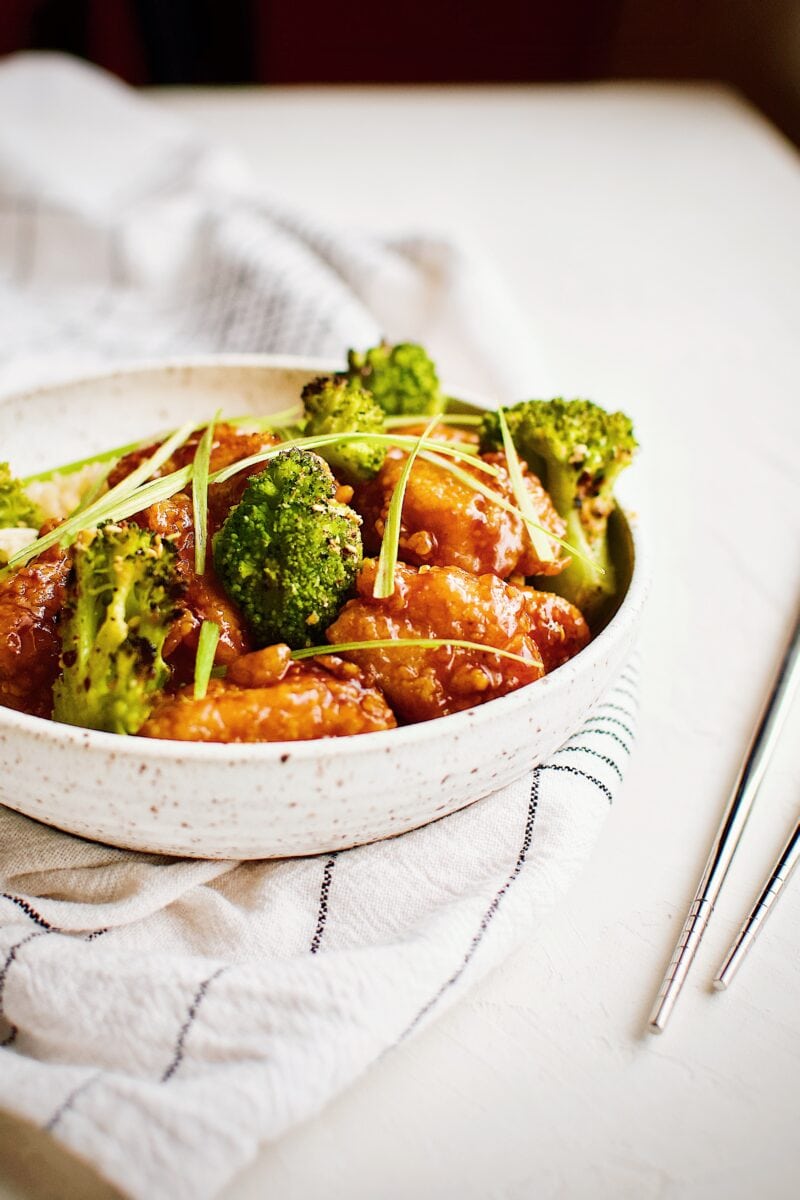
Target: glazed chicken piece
x: 230, y: 445
x: 203, y: 599
x: 447, y: 523
x: 30, y: 601
x: 266, y: 697
x: 557, y: 627
x: 440, y: 602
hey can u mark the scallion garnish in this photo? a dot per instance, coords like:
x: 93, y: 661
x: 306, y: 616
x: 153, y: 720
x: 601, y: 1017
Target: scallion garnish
x: 496, y: 498
x: 96, y: 490
x: 543, y: 547
x: 399, y: 643
x: 326, y: 439
x: 387, y: 560
x: 258, y: 424
x: 200, y: 469
x: 127, y: 497
x: 398, y: 421
x: 71, y: 467
x: 286, y: 416
x: 204, y: 662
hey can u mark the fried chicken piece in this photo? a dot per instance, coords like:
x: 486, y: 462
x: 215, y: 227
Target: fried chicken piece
x: 439, y: 602
x: 230, y: 445
x: 557, y: 627
x: 267, y: 697
x: 447, y: 523
x: 203, y: 599
x: 30, y: 601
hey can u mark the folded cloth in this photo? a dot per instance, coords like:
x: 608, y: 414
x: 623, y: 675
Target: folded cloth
x: 163, y: 1017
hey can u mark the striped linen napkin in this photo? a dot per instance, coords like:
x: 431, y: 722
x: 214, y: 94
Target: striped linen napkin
x: 163, y: 1017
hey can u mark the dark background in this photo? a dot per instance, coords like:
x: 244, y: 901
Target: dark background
x: 752, y: 44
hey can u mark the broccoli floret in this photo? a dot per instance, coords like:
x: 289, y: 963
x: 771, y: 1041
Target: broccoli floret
x: 401, y: 378
x: 336, y: 404
x: 16, y: 510
x: 578, y: 450
x: 121, y: 600
x: 289, y: 552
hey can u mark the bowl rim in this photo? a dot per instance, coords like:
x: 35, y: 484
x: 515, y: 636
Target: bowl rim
x: 157, y: 749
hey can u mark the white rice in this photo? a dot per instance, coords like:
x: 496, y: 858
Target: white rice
x: 59, y: 496
x: 13, y: 540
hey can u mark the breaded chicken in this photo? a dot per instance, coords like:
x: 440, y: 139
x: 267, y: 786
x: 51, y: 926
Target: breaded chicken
x: 30, y: 601
x: 230, y: 445
x: 440, y: 602
x: 203, y: 598
x: 446, y: 523
x: 266, y: 697
x: 557, y: 627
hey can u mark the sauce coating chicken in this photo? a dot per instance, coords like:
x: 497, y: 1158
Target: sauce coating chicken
x: 266, y: 697
x: 440, y: 602
x: 447, y: 523
x: 558, y: 627
x: 203, y: 598
x: 230, y: 445
x: 30, y: 601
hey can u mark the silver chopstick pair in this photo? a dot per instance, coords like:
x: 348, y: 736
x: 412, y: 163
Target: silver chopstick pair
x: 724, y: 847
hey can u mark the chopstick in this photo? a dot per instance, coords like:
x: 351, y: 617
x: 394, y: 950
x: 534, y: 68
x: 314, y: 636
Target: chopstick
x: 788, y: 860
x: 729, y: 832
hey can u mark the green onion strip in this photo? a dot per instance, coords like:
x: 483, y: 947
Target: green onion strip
x: 496, y: 498
x: 542, y: 545
x: 95, y: 490
x: 129, y: 496
x: 203, y: 663
x: 200, y: 470
x: 468, y: 454
x: 285, y: 416
x: 251, y: 421
x: 71, y: 467
x: 397, y: 422
x: 399, y: 643
x: 387, y: 560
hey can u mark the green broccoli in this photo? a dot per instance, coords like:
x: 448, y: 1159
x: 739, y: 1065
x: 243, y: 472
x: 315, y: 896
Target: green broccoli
x: 121, y: 599
x: 401, y: 378
x: 16, y: 510
x: 336, y: 404
x: 578, y: 450
x: 289, y: 552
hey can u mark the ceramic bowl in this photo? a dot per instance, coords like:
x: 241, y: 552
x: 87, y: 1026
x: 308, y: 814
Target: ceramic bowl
x: 276, y: 799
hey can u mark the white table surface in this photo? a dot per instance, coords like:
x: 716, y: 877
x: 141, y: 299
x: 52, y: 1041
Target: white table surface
x: 652, y: 237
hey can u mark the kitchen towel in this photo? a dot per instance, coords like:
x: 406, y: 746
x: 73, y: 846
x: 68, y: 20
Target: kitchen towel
x: 164, y: 1017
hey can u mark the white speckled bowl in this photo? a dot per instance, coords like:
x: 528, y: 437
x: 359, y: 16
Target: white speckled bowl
x: 216, y: 801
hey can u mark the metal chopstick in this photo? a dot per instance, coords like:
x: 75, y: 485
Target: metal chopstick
x: 729, y: 833
x: 789, y: 858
